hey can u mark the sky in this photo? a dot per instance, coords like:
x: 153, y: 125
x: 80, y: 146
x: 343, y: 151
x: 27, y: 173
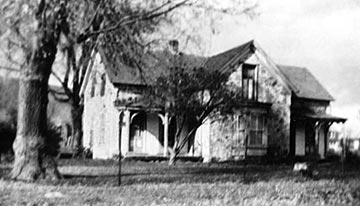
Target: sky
x: 322, y: 35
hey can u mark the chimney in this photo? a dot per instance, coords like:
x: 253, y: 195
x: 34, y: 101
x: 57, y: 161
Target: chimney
x: 174, y: 46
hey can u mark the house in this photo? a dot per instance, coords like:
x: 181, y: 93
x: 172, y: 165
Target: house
x: 285, y: 112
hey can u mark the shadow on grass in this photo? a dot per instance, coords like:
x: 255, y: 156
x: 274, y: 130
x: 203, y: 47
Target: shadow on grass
x: 217, y: 173
x: 158, y: 173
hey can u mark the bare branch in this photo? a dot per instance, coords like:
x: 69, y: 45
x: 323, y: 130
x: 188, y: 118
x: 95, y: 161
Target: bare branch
x: 13, y: 69
x: 56, y: 95
x: 135, y: 18
x: 65, y: 87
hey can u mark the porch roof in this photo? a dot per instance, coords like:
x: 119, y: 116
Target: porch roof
x: 322, y: 117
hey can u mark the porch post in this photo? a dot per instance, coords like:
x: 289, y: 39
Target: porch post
x: 126, y: 133
x: 166, y: 133
x: 317, y: 136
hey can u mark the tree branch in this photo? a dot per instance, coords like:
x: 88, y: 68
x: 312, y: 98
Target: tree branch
x: 65, y: 87
x: 132, y: 19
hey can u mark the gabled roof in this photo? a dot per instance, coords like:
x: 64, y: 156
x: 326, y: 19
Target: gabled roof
x: 153, y: 65
x: 298, y: 80
x: 221, y: 61
x: 306, y: 85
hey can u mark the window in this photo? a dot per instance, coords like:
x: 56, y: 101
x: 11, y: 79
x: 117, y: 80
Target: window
x: 239, y: 138
x: 101, y: 133
x: 257, y: 130
x: 249, y: 81
x: 240, y: 130
x: 92, y: 91
x: 103, y: 82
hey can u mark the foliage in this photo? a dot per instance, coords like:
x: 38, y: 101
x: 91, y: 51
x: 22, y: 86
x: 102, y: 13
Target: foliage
x: 8, y: 100
x: 52, y: 140
x: 8, y: 109
x: 7, y: 137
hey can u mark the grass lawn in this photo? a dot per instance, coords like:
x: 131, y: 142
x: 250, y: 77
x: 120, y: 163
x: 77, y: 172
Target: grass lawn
x: 92, y: 182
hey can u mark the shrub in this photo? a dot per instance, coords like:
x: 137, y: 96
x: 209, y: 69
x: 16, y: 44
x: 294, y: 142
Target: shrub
x: 7, y: 137
x: 52, y: 140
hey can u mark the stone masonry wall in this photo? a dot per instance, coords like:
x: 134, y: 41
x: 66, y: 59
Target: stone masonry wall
x: 273, y: 91
x: 224, y: 138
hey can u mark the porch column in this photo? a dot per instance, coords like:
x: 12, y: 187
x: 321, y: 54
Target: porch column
x: 317, y: 138
x: 166, y: 133
x: 126, y: 133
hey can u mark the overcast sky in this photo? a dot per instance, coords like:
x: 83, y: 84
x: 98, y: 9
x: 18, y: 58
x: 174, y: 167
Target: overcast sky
x: 322, y: 35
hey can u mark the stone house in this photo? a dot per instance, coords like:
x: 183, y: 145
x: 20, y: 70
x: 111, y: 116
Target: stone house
x: 285, y: 112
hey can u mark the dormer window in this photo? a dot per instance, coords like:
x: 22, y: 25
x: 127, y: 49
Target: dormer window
x: 249, y: 82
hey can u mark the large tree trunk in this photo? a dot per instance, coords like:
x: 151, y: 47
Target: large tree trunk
x: 30, y: 161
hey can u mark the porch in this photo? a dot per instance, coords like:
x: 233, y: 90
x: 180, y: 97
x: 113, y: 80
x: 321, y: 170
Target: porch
x: 309, y: 134
x: 148, y: 134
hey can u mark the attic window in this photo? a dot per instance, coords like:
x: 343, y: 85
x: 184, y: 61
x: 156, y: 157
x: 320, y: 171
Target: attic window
x: 249, y: 82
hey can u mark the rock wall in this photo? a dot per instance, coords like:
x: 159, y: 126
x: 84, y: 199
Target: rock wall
x: 225, y: 141
x: 271, y: 90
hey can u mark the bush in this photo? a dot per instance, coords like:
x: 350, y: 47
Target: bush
x: 7, y: 135
x: 52, y: 140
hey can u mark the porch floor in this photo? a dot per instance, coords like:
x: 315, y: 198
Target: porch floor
x: 154, y: 158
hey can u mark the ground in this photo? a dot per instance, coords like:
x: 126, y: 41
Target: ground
x: 90, y: 182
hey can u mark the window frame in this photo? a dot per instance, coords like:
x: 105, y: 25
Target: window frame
x: 93, y: 85
x: 249, y: 81
x: 257, y: 128
x: 102, y: 85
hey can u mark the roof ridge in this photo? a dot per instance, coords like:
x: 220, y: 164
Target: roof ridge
x: 233, y: 48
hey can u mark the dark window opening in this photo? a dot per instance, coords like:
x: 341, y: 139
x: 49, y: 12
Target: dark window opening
x: 249, y: 82
x: 92, y: 91
x: 103, y: 82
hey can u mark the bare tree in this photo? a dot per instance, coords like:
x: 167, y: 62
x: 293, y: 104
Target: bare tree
x: 34, y: 31
x: 37, y: 28
x: 192, y: 95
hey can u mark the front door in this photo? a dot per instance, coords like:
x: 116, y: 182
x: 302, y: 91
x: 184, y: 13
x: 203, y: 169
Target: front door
x: 309, y: 139
x: 137, y: 133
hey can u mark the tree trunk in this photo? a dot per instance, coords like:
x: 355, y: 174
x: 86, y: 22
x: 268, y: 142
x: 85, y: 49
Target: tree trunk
x: 76, y: 115
x: 179, y: 145
x: 30, y: 161
x: 173, y: 156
